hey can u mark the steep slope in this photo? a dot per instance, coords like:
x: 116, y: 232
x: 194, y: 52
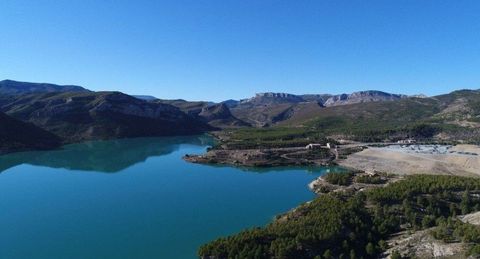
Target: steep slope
x: 189, y: 107
x: 15, y: 87
x: 16, y: 135
x: 262, y: 116
x: 264, y: 109
x: 100, y: 115
x: 460, y: 107
x: 219, y: 115
x: 216, y: 115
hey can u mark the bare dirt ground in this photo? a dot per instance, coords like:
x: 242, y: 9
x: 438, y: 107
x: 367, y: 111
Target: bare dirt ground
x: 422, y: 245
x: 417, y: 159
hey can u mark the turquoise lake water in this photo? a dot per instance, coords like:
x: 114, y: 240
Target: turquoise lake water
x: 134, y: 198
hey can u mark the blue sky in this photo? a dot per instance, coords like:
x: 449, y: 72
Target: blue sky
x: 216, y: 50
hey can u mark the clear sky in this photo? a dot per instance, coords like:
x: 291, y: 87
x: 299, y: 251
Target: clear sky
x: 222, y: 49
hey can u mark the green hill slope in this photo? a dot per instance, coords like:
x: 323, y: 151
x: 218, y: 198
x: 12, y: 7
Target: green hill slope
x: 18, y: 136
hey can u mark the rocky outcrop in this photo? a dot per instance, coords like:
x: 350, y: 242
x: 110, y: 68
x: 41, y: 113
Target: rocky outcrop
x: 362, y: 97
x: 421, y: 244
x: 271, y: 98
x: 323, y: 99
x: 472, y: 218
x: 270, y: 108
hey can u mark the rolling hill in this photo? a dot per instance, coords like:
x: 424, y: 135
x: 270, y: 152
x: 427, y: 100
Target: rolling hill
x: 216, y: 115
x: 11, y: 87
x: 16, y: 135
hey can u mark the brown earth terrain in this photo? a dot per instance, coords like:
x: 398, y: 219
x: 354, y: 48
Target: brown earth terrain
x: 461, y: 160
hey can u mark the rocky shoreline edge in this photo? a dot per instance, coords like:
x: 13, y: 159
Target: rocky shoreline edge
x: 271, y: 157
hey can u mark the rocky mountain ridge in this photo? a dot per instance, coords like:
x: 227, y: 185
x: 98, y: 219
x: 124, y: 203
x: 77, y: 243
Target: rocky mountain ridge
x: 75, y: 114
x: 217, y: 115
x: 323, y: 99
x: 78, y: 116
x: 266, y: 109
x: 12, y: 87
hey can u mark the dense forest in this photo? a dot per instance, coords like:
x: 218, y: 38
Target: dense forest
x: 340, y: 225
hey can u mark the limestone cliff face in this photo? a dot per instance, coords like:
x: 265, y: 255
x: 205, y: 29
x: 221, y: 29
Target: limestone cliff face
x: 269, y: 98
x: 323, y: 99
x: 362, y: 97
x: 269, y: 108
x: 276, y: 95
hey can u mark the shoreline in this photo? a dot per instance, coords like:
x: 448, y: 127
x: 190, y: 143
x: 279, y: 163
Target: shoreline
x: 296, y: 156
x: 391, y: 158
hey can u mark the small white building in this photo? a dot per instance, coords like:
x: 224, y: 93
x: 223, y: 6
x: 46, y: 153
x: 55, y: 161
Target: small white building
x: 313, y: 146
x: 407, y: 141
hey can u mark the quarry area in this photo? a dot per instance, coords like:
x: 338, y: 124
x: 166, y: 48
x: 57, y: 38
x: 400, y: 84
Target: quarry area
x: 463, y: 160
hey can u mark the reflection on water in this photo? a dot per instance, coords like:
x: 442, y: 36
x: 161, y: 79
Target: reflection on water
x: 309, y: 169
x: 159, y: 206
x: 102, y: 156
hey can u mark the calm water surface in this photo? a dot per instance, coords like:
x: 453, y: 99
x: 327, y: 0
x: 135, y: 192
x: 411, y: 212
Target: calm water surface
x: 134, y: 198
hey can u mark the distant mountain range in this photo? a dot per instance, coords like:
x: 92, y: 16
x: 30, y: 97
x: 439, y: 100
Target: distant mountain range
x: 73, y: 113
x: 16, y: 87
x: 265, y: 109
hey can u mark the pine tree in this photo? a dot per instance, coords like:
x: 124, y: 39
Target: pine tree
x: 370, y: 249
x: 465, y: 203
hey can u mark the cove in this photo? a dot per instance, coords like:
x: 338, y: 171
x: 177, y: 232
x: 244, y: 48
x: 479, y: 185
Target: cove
x: 135, y: 198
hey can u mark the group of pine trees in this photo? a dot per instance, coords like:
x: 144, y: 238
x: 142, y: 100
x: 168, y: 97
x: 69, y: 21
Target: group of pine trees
x: 338, y: 225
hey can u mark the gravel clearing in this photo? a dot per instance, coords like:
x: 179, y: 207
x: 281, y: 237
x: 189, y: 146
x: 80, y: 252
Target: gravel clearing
x: 418, y: 159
